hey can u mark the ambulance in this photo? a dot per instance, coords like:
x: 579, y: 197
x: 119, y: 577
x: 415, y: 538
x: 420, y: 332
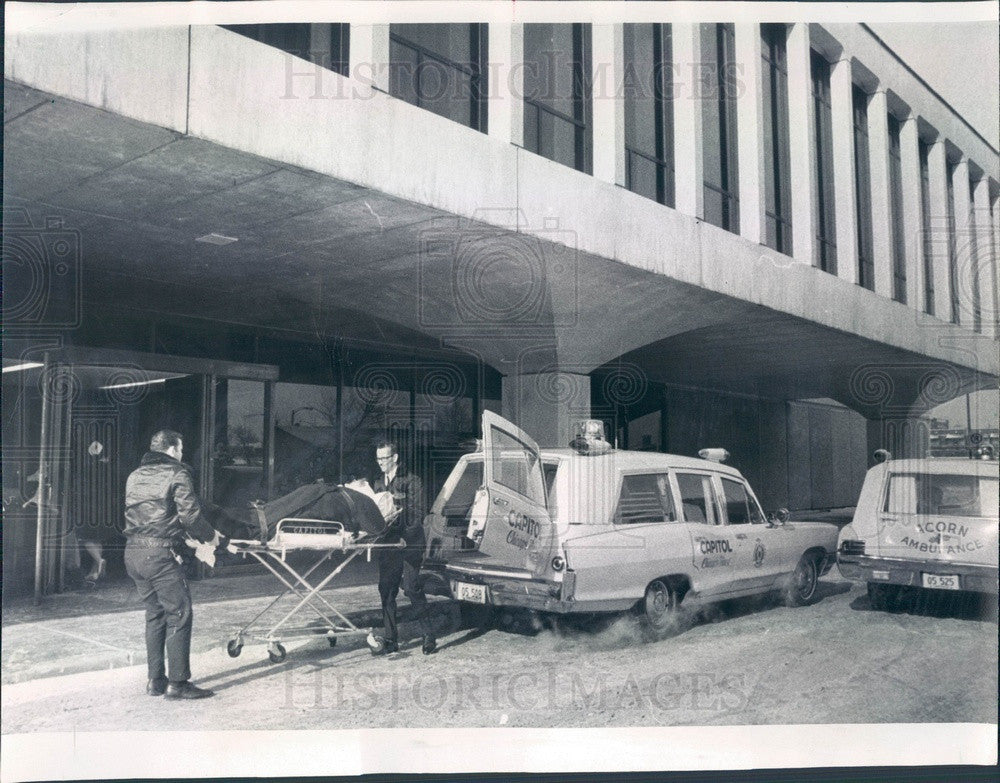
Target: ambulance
x: 923, y: 524
x: 590, y: 528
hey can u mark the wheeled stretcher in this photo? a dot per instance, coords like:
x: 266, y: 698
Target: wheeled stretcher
x: 327, y: 538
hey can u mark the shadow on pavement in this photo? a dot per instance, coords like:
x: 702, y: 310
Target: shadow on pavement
x: 976, y: 607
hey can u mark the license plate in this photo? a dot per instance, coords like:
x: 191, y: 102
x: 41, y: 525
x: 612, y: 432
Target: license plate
x: 464, y: 591
x: 941, y: 581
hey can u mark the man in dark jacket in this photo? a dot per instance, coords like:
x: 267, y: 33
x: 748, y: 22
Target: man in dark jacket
x: 397, y: 566
x: 161, y: 511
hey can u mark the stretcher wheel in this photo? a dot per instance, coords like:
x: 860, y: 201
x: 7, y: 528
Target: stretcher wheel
x: 234, y: 648
x: 276, y: 653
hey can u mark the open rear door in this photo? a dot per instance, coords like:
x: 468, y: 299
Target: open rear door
x: 510, y: 520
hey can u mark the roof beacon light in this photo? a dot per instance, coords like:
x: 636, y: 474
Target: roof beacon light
x: 882, y: 455
x: 590, y: 437
x: 714, y: 455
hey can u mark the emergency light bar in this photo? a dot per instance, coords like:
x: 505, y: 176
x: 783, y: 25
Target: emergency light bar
x: 714, y: 455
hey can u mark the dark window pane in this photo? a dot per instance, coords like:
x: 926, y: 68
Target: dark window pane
x: 719, y: 121
x: 439, y: 68
x: 737, y: 504
x: 556, y: 86
x: 826, y: 225
x: 642, y: 174
x: 925, y: 203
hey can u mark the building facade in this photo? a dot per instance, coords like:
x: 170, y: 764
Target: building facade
x: 284, y: 239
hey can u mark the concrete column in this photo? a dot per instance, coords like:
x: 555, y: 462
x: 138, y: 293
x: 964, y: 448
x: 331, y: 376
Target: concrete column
x: 878, y: 154
x: 546, y: 405
x: 938, y: 221
x: 608, y: 64
x: 802, y: 144
x: 965, y: 242
x: 750, y: 124
x: 689, y: 91
x: 913, y: 226
x: 842, y: 110
x: 369, y: 55
x: 985, y: 257
x: 506, y: 83
x: 905, y: 437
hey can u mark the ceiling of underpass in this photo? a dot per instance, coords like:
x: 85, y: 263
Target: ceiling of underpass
x: 323, y: 257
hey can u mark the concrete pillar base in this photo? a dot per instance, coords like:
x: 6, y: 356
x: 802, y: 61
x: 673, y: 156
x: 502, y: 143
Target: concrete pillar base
x: 546, y: 405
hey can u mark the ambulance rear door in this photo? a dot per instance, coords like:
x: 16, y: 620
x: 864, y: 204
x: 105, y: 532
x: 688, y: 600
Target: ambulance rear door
x: 511, y: 522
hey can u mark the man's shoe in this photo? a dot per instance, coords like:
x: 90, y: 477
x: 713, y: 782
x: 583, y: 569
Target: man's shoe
x: 185, y: 690
x: 380, y: 646
x: 430, y: 645
x: 156, y: 687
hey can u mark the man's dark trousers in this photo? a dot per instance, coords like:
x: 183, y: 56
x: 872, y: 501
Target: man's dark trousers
x: 163, y: 589
x: 395, y: 567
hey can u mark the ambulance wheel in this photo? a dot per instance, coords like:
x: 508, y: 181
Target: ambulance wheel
x: 276, y: 653
x: 234, y: 648
x: 883, y: 598
x: 801, y: 587
x: 661, y: 606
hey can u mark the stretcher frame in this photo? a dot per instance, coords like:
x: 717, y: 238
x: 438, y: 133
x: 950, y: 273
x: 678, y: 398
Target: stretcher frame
x: 293, y: 534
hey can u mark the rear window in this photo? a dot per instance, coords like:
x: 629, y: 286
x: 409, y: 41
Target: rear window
x: 942, y: 495
x: 514, y: 465
x: 459, y: 503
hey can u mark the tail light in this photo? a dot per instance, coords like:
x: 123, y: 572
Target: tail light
x: 851, y: 547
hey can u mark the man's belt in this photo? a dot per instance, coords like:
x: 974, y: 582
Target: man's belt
x: 147, y: 542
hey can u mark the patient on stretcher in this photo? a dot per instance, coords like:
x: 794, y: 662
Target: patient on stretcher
x: 361, y: 512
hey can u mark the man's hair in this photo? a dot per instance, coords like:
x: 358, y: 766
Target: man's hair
x: 385, y: 443
x: 165, y: 439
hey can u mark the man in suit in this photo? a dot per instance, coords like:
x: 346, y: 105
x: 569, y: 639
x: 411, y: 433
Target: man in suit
x: 401, y: 566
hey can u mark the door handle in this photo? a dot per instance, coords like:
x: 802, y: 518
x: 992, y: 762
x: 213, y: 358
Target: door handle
x: 741, y: 536
x: 500, y: 502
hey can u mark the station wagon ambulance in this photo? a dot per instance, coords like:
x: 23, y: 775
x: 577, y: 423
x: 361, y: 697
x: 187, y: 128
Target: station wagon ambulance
x: 593, y: 530
x: 926, y: 524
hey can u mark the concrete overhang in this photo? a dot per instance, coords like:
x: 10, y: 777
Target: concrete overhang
x: 367, y: 216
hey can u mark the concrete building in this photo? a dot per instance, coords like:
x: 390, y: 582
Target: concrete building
x: 774, y: 238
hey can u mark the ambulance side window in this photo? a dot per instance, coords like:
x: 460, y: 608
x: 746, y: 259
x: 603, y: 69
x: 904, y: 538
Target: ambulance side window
x: 697, y: 498
x: 644, y: 499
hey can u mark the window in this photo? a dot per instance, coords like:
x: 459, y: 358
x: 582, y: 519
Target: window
x: 925, y: 208
x: 304, y: 40
x: 697, y: 498
x: 557, y: 93
x: 440, y: 67
x: 458, y: 505
x: 645, y: 499
x: 649, y: 129
x: 977, y: 314
x: 238, y: 453
x: 741, y: 509
x: 777, y: 174
x: 826, y: 224
x: 952, y: 239
x: 863, y: 190
x: 515, y: 466
x: 896, y: 214
x: 942, y: 495
x: 721, y: 184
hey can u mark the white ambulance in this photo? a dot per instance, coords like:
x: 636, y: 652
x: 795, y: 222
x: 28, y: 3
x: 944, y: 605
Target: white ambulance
x: 593, y: 529
x: 924, y: 524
